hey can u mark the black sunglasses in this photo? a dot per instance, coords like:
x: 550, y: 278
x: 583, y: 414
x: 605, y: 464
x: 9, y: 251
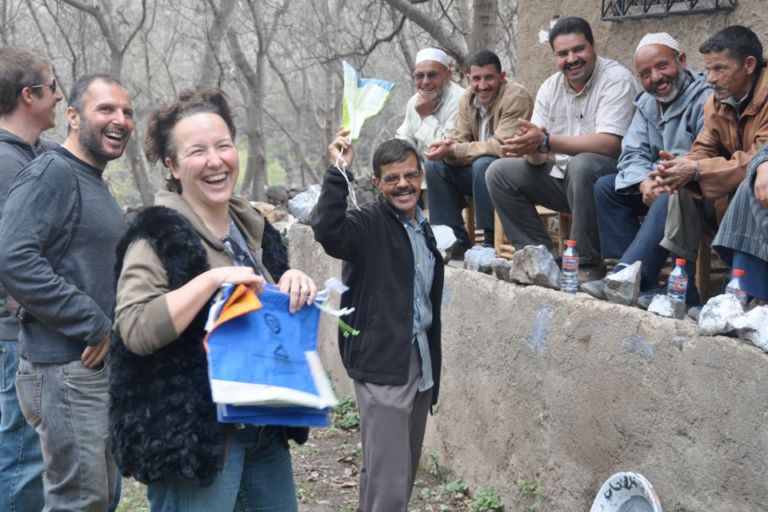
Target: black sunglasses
x: 52, y: 85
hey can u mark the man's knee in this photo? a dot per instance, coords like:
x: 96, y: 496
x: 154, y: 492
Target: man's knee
x: 506, y: 173
x: 605, y: 187
x: 588, y: 167
x: 481, y: 164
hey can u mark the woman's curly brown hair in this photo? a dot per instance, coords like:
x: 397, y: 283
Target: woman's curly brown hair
x: 158, y: 143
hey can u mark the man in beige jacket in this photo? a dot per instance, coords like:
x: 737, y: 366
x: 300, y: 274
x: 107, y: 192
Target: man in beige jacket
x: 489, y: 112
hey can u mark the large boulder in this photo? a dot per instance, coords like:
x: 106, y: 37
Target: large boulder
x: 623, y: 287
x: 718, y: 312
x: 534, y: 264
x: 302, y: 204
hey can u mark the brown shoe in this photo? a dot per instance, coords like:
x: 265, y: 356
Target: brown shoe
x: 589, y: 273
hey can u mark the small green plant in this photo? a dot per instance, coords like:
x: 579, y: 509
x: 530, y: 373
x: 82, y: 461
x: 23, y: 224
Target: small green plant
x: 435, y: 468
x: 531, y: 493
x: 487, y: 500
x: 455, y: 487
x: 345, y: 414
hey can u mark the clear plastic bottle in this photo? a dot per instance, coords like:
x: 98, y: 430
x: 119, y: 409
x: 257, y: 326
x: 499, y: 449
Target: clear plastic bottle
x: 736, y: 288
x: 678, y: 281
x: 569, y: 278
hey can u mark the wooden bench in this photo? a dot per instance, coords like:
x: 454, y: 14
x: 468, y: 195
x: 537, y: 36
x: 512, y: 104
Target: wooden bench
x: 504, y: 249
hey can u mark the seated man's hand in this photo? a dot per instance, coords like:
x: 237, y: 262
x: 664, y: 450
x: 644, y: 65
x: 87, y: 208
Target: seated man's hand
x: 649, y: 191
x: 439, y: 150
x: 340, y: 150
x: 526, y: 140
x: 426, y: 103
x: 672, y: 174
x: 761, y: 185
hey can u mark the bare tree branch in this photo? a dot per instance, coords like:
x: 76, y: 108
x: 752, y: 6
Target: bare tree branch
x: 307, y: 164
x: 443, y: 38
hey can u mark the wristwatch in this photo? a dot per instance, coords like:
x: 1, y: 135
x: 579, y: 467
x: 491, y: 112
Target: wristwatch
x: 544, y: 144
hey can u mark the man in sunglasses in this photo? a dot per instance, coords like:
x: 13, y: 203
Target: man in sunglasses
x: 28, y: 98
x: 395, y: 275
x: 430, y: 112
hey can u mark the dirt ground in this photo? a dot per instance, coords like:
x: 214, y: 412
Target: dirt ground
x: 325, y: 470
x: 326, y: 477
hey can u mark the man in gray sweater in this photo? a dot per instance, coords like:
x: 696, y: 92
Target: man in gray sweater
x: 58, y: 234
x: 28, y: 99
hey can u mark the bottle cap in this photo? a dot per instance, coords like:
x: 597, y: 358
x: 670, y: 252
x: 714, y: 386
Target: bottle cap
x: 570, y: 243
x: 738, y: 272
x: 680, y: 261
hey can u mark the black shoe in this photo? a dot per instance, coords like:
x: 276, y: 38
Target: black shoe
x: 645, y: 298
x: 589, y: 273
x: 694, y: 313
x: 456, y: 252
x: 595, y: 288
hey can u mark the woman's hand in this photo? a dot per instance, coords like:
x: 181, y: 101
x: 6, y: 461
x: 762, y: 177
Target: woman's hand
x: 236, y: 275
x: 300, y: 287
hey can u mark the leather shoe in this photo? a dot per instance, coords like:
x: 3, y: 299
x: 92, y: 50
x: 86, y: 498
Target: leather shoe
x: 595, y: 288
x: 591, y: 273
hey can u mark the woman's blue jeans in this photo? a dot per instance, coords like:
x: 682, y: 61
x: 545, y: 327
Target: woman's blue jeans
x: 257, y: 477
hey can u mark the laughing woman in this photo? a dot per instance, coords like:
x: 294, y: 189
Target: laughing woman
x: 171, y: 262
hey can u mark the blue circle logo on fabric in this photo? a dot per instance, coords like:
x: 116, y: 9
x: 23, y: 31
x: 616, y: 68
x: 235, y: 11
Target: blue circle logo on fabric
x: 272, y: 323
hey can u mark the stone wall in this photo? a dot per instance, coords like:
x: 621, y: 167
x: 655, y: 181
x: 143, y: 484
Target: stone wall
x: 617, y: 40
x: 541, y: 385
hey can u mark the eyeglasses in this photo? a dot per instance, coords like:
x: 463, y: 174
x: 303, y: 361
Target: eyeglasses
x: 421, y: 76
x: 52, y: 85
x: 394, y: 179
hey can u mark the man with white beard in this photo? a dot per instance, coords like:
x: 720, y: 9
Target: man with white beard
x: 430, y: 112
x: 669, y: 116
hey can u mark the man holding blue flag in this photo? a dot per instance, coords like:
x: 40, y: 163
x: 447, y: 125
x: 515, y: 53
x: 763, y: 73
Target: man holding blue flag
x: 395, y: 275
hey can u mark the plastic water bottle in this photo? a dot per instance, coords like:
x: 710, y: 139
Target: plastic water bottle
x: 735, y: 287
x: 569, y: 278
x: 678, y: 281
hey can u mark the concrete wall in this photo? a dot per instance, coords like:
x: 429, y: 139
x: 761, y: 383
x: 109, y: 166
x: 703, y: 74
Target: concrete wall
x: 617, y: 40
x: 541, y: 385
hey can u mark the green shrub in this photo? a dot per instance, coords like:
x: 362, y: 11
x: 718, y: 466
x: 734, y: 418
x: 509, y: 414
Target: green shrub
x: 345, y: 415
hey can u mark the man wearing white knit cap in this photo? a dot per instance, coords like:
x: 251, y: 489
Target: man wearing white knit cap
x: 668, y: 116
x: 430, y: 112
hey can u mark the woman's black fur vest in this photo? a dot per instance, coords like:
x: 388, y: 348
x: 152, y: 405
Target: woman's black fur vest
x: 161, y: 416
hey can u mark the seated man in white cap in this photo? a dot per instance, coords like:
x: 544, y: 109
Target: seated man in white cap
x: 490, y: 111
x: 669, y: 115
x: 430, y: 112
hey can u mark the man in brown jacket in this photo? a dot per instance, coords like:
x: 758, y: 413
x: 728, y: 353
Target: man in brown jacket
x: 735, y: 127
x: 489, y: 112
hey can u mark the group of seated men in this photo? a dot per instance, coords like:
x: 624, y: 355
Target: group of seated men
x: 645, y: 173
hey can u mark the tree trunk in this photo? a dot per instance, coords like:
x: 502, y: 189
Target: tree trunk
x: 483, y: 35
x: 139, y: 172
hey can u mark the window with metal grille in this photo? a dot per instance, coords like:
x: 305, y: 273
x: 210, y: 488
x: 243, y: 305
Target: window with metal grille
x: 618, y: 10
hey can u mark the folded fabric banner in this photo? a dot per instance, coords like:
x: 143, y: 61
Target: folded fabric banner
x: 284, y: 416
x: 260, y: 354
x: 363, y: 98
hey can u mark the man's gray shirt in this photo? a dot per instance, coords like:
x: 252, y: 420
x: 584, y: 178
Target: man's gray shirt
x: 59, y: 212
x: 15, y: 153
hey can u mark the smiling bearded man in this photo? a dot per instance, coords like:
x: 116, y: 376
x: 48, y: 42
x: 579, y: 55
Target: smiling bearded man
x: 58, y: 235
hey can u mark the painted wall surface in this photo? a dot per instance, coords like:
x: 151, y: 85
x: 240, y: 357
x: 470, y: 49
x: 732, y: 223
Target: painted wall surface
x: 617, y: 40
x: 541, y: 385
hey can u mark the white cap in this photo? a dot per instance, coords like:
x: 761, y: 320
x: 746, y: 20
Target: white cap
x: 434, y: 54
x: 661, y: 38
